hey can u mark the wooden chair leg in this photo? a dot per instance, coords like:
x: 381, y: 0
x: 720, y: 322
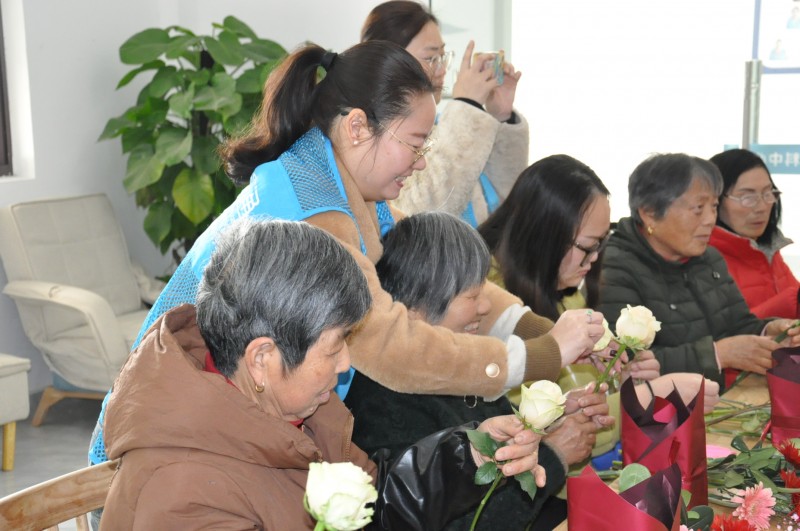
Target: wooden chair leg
x: 50, y: 396
x: 9, y: 442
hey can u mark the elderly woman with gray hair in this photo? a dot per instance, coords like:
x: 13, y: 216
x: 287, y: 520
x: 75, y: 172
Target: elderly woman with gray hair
x: 436, y: 265
x: 660, y: 258
x: 218, y: 413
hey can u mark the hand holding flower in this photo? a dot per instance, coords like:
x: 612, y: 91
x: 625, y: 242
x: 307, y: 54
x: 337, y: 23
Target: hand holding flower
x: 592, y: 404
x: 337, y: 495
x: 541, y: 404
x: 636, y: 330
x: 644, y: 366
x: 520, y: 451
x: 783, y: 329
x: 576, y: 332
x: 573, y: 437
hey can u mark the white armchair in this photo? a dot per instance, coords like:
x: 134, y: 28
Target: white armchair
x: 78, y: 294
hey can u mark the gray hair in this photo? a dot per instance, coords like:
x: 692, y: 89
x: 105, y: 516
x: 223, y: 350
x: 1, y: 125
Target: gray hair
x: 661, y: 179
x: 430, y: 258
x: 285, y: 280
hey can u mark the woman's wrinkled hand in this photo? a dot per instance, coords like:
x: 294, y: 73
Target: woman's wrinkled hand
x: 644, y: 366
x: 779, y: 326
x: 521, y: 452
x: 746, y: 353
x: 573, y: 437
x: 592, y: 405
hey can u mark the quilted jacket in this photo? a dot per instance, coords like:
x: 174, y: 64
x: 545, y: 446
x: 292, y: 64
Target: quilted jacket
x: 696, y: 301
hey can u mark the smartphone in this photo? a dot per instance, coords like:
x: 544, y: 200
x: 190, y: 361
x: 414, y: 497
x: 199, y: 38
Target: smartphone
x: 496, y: 64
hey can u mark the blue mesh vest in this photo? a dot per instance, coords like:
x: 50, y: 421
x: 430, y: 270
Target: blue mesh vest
x: 303, y: 182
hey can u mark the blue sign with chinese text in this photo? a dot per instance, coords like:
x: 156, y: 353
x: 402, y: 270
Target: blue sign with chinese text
x: 780, y: 158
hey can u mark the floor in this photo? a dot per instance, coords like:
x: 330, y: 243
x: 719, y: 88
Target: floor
x: 60, y: 445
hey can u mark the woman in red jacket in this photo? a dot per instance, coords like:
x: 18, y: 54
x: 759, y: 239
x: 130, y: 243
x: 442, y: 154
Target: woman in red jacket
x: 748, y: 236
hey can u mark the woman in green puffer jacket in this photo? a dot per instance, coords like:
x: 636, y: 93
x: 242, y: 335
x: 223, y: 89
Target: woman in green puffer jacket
x: 659, y: 257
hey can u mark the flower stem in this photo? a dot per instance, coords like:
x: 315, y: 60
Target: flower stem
x: 604, y: 377
x: 319, y: 527
x: 485, y: 499
x: 736, y: 413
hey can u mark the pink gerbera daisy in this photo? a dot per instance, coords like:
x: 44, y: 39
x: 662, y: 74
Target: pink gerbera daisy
x: 756, y: 506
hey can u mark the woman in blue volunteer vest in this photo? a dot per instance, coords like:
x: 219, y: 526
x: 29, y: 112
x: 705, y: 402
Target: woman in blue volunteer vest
x: 481, y: 141
x: 331, y: 152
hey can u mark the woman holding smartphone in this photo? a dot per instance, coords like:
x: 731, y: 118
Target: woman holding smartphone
x: 481, y: 141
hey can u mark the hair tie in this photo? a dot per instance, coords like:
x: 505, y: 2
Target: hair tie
x: 327, y: 60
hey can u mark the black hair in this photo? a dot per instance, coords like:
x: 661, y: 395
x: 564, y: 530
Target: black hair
x: 536, y: 225
x: 732, y: 164
x: 378, y: 77
x: 397, y: 21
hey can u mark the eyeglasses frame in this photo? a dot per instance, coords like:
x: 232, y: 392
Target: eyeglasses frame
x: 419, y: 152
x: 594, y: 249
x: 443, y: 60
x: 775, y: 193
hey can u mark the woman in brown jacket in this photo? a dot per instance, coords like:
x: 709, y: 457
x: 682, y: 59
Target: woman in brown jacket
x: 218, y: 413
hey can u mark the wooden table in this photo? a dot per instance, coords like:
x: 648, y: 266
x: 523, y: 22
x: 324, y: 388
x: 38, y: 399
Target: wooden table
x: 751, y: 390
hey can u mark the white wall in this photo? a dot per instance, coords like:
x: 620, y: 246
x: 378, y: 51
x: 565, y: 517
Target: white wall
x: 607, y: 82
x: 612, y: 82
x: 63, y: 66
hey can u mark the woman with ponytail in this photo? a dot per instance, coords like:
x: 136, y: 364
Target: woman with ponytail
x: 331, y: 152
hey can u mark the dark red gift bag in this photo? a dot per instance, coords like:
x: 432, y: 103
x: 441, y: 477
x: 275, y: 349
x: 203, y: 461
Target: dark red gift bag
x: 666, y: 432
x: 652, y: 505
x: 783, y: 380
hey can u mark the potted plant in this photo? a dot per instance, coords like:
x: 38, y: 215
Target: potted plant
x: 203, y: 89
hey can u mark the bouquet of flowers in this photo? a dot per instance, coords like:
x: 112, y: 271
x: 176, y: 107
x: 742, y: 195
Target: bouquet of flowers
x: 758, y: 483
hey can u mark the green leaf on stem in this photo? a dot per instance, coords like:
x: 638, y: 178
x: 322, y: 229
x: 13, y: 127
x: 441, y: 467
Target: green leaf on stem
x: 733, y: 479
x: 193, y: 193
x: 143, y: 47
x: 631, y: 475
x: 144, y: 168
x: 157, y: 222
x: 738, y: 444
x: 527, y: 483
x: 238, y: 27
x: 483, y: 442
x: 768, y: 483
x: 486, y: 473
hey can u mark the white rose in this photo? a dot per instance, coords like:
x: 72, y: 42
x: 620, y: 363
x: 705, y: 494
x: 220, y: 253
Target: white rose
x: 605, y: 340
x: 541, y: 404
x: 637, y: 327
x: 337, y: 495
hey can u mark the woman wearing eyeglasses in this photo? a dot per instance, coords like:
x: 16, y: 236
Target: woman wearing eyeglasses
x: 546, y: 239
x: 482, y: 143
x: 748, y: 237
x: 660, y: 258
